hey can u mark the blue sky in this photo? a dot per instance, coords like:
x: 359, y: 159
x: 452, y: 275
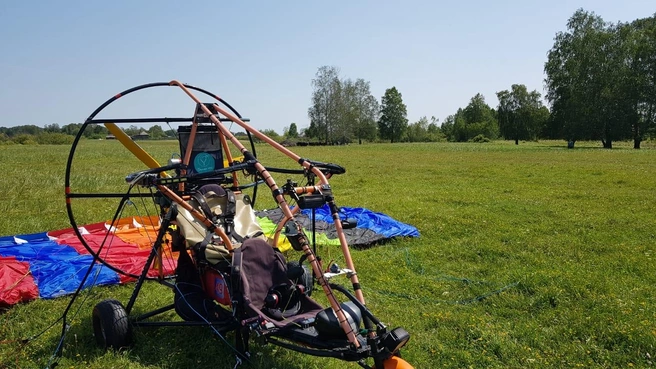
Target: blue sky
x: 59, y: 60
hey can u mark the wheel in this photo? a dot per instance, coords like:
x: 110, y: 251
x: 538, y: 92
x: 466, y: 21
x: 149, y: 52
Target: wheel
x: 111, y: 326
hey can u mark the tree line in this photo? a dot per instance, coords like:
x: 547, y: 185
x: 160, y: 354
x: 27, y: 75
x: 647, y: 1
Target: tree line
x: 600, y: 85
x: 55, y: 134
x: 601, y: 80
x: 344, y: 111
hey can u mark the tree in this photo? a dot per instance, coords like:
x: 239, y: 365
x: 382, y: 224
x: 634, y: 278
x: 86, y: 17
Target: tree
x: 132, y: 130
x: 393, y: 119
x: 359, y: 110
x: 459, y: 130
x: 477, y: 110
x: 591, y: 81
x: 476, y: 119
x: 71, y: 129
x: 156, y: 132
x: 567, y: 67
x: 618, y: 96
x: 95, y: 131
x: 447, y: 126
x: 641, y: 40
x: 292, y: 132
x: 272, y: 134
x: 423, y: 131
x: 367, y: 125
x: 52, y: 128
x: 342, y: 109
x: 325, y: 101
x: 433, y: 131
x: 520, y: 114
x: 418, y: 131
x: 543, y: 116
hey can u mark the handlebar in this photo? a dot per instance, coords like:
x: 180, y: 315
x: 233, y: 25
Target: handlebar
x: 328, y: 167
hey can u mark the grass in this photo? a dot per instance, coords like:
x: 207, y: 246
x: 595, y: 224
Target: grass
x: 529, y: 256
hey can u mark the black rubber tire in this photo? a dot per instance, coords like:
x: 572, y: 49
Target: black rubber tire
x: 111, y: 325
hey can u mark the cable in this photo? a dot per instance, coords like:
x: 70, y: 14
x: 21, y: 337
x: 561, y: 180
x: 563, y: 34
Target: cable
x: 239, y: 354
x: 175, y: 132
x: 52, y: 362
x: 148, y: 235
x: 419, y: 269
x: 437, y: 301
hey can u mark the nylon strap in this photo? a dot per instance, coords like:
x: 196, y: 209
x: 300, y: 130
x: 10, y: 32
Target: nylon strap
x: 200, y: 199
x: 235, y: 274
x: 229, y: 216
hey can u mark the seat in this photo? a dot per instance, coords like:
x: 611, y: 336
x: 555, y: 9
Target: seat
x: 263, y: 273
x: 226, y: 207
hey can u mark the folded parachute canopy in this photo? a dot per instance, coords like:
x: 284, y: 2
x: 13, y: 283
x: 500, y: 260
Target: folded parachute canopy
x: 371, y: 227
x: 52, y: 264
x: 16, y: 282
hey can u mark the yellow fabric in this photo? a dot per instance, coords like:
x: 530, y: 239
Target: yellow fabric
x: 269, y: 229
x: 226, y: 164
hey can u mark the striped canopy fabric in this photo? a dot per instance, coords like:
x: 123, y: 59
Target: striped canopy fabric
x: 52, y: 264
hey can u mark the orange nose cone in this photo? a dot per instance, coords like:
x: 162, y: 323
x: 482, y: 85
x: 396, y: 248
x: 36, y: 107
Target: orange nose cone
x: 395, y: 362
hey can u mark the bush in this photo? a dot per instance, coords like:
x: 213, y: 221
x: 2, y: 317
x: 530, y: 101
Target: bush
x: 271, y: 134
x: 479, y: 139
x: 5, y: 140
x: 289, y: 142
x: 24, y: 139
x: 49, y: 138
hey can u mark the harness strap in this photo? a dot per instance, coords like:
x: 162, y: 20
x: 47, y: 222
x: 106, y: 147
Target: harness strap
x: 200, y: 199
x: 242, y: 333
x: 231, y: 207
x: 200, y: 247
x: 229, y: 214
x: 235, y: 278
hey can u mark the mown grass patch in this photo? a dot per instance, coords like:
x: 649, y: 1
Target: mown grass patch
x: 529, y: 256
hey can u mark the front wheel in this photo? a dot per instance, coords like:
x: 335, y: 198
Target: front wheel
x: 111, y: 325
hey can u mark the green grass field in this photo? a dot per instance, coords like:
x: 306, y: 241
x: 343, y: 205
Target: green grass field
x: 529, y: 256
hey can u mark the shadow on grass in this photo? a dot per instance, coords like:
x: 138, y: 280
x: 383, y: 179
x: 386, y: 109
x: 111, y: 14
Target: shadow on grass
x: 592, y: 147
x: 162, y: 347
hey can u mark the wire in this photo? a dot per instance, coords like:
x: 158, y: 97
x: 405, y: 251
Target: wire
x: 222, y: 337
x: 175, y: 132
x: 65, y: 327
x: 419, y: 269
x: 437, y: 301
x: 52, y: 362
x: 148, y: 234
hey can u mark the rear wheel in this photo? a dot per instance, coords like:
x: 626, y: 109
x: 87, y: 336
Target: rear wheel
x: 111, y: 325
